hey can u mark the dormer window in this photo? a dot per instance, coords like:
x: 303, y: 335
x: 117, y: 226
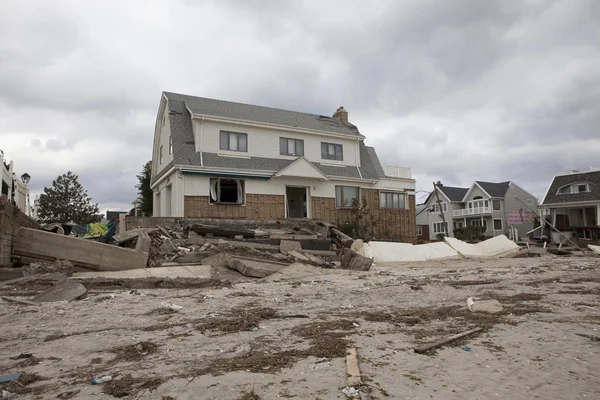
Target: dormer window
x: 233, y: 141
x: 574, y: 188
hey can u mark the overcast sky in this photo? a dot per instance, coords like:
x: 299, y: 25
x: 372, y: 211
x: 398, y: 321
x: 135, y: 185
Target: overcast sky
x: 457, y: 90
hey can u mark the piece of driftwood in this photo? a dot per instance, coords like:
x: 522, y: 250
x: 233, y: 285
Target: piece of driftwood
x: 449, y: 339
x: 352, y: 371
x: 20, y: 301
x: 345, y: 239
x: 218, y: 231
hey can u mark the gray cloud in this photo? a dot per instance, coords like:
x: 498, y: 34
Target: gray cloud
x: 461, y: 90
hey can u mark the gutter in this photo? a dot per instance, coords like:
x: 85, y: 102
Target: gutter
x: 201, y: 136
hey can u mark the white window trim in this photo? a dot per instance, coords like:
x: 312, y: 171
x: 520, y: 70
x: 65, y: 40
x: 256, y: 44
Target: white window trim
x: 212, y: 203
x: 383, y: 192
x: 444, y: 206
x: 499, y: 203
x: 573, y: 185
x: 501, y: 224
x: 350, y: 206
x: 419, y: 230
x: 441, y: 224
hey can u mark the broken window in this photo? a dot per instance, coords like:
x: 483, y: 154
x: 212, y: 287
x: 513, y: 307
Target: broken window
x: 223, y: 190
x: 331, y: 151
x: 395, y: 200
x: 291, y: 147
x: 233, y: 141
x: 346, y: 196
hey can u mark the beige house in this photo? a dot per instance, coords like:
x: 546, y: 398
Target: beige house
x: 219, y: 159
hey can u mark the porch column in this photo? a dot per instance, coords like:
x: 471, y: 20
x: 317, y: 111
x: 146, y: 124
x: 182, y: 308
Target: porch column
x: 465, y: 221
x: 598, y: 215
x: 585, y: 221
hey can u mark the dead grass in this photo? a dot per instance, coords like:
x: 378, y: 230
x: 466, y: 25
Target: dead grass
x: 515, y: 298
x: 249, y: 396
x: 161, y: 311
x: 21, y: 386
x: 317, y: 329
x: 133, y: 352
x: 236, y: 320
x: 458, y: 284
x: 128, y: 385
x: 27, y: 362
x: 244, y: 294
x: 591, y: 337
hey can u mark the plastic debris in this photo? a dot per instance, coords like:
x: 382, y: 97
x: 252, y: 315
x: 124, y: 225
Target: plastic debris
x: 350, y: 392
x: 466, y: 348
x: 11, y: 377
x: 171, y: 306
x: 22, y: 355
x: 103, y: 379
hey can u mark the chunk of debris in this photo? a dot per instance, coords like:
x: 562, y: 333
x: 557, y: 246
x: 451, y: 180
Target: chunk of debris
x: 286, y: 246
x: 66, y: 290
x: 167, y: 247
x: 48, y: 267
x: 486, y: 306
x: 352, y: 260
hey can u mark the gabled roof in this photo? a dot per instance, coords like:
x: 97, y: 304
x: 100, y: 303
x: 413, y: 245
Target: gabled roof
x: 301, y: 168
x: 267, y: 115
x: 184, y: 151
x: 590, y: 177
x: 453, y: 194
x: 494, y: 189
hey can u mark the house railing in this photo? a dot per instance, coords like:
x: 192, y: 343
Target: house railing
x: 471, y: 211
x: 394, y: 171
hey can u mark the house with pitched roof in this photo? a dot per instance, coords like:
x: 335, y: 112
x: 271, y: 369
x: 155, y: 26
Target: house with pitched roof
x: 220, y: 159
x: 572, y: 204
x: 501, y: 208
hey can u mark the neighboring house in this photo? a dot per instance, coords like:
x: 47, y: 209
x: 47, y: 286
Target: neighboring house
x: 572, y: 204
x: 137, y: 206
x: 110, y: 215
x: 218, y: 159
x: 422, y: 222
x: 496, y: 206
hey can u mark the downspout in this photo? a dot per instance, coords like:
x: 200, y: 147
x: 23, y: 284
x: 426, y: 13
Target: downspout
x: 357, y: 155
x: 201, y: 136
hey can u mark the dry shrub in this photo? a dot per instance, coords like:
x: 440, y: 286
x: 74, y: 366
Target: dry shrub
x: 133, y: 352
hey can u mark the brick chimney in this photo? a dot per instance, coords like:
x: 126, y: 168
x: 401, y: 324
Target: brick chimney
x: 438, y: 183
x: 342, y: 114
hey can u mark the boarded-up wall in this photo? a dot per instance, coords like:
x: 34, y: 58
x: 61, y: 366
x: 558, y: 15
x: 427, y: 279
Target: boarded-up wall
x: 11, y: 219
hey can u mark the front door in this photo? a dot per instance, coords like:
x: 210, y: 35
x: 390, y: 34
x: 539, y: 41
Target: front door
x: 296, y: 202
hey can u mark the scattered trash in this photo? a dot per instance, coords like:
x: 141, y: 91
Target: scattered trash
x: 171, y: 306
x: 466, y: 348
x: 447, y: 340
x: 350, y: 392
x: 11, y: 377
x: 103, y: 379
x: 5, y: 395
x: 134, y: 292
x: 22, y: 355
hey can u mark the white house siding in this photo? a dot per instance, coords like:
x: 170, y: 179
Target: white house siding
x: 161, y: 207
x: 164, y: 128
x: 511, y: 203
x: 477, y: 192
x: 265, y: 142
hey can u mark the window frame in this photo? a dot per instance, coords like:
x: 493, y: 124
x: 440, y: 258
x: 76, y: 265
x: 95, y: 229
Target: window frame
x: 218, y: 191
x: 170, y: 144
x: 501, y: 224
x: 573, y: 186
x: 229, y: 135
x: 383, y: 195
x: 342, y: 196
x: 439, y: 224
x: 325, y: 151
x: 499, y: 205
x: 483, y: 223
x: 419, y: 230
x: 287, y: 140
x: 160, y: 154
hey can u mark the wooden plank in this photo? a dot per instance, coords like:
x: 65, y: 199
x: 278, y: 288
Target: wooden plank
x: 20, y: 301
x: 352, y: 371
x: 85, y: 253
x: 449, y: 339
x: 341, y: 236
x: 63, y: 291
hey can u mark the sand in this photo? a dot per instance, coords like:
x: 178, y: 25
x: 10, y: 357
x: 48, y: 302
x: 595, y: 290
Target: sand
x: 281, y: 339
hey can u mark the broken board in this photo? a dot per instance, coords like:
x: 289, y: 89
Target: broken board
x: 63, y: 291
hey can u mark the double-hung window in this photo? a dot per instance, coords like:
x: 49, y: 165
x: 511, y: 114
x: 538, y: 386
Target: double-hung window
x: 291, y: 147
x: 439, y: 227
x: 233, y: 141
x: 332, y: 151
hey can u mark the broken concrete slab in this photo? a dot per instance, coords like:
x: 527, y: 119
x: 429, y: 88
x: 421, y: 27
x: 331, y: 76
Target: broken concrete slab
x: 143, y: 242
x: 352, y: 260
x: 194, y: 257
x: 220, y: 259
x: 384, y: 252
x: 286, y: 246
x: 298, y: 256
x: 195, y: 271
x: 132, y: 234
x: 487, y: 306
x: 167, y: 247
x: 594, y: 248
x: 255, y: 269
x: 48, y: 267
x: 296, y: 271
x: 63, y: 291
x: 85, y: 253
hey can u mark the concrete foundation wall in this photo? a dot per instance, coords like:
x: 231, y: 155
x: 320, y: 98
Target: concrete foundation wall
x: 11, y: 219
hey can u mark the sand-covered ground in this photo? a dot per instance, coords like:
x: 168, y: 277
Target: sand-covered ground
x: 288, y: 338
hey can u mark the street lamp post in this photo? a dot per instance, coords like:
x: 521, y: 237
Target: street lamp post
x: 25, y: 179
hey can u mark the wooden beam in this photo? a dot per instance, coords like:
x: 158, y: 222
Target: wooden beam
x: 449, y: 339
x: 352, y: 371
x: 20, y: 301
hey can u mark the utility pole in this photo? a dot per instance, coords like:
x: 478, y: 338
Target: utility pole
x: 439, y: 203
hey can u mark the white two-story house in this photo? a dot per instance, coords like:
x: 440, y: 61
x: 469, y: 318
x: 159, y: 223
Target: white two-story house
x: 499, y: 207
x: 219, y: 159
